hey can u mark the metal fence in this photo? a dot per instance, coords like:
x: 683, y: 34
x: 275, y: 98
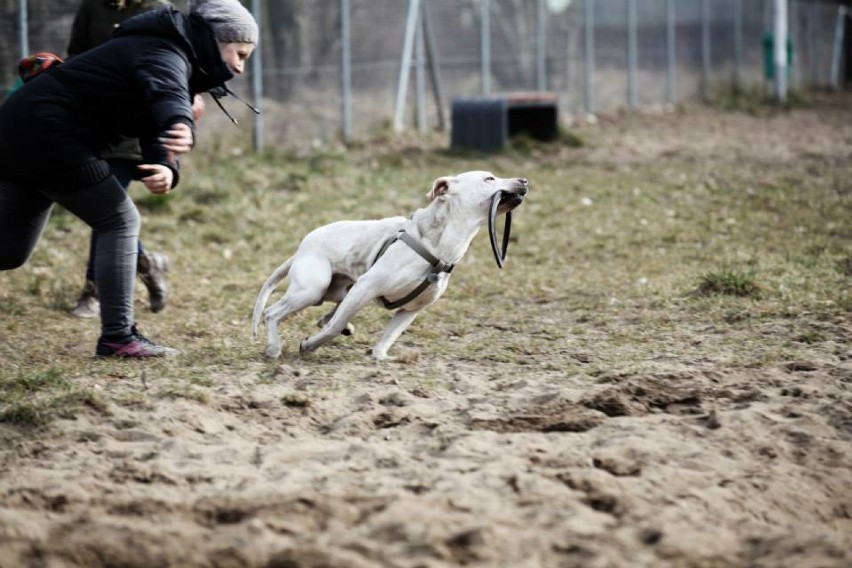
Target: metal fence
x: 338, y: 68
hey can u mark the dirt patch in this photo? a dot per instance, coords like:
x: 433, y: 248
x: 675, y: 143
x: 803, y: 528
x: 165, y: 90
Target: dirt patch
x: 718, y: 469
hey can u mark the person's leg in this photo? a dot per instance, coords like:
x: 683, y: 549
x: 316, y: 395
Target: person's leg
x: 125, y: 172
x: 23, y: 215
x: 151, y: 267
x: 107, y: 209
x: 87, y: 305
x: 90, y: 264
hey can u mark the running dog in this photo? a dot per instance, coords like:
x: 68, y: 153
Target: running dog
x: 405, y: 263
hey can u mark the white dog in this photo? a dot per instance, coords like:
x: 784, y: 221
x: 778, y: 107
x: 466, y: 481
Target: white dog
x: 405, y: 263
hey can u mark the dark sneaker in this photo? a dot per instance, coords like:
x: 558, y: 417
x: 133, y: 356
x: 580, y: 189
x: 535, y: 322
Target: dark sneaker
x: 135, y: 346
x: 88, y: 305
x: 151, y: 268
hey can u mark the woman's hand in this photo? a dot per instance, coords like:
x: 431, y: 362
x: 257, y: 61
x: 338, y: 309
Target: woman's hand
x: 160, y: 180
x: 198, y: 108
x: 179, y: 140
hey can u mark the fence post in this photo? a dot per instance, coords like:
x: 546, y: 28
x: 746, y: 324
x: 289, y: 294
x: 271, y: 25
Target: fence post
x: 813, y: 43
x: 485, y: 44
x: 705, y: 49
x: 779, y: 54
x: 257, y: 83
x: 346, y: 70
x: 793, y: 75
x: 432, y: 58
x: 420, y: 75
x: 589, y: 48
x: 738, y: 41
x: 670, y: 51
x: 836, y: 52
x: 405, y: 63
x: 631, y: 53
x: 23, y: 29
x: 541, y: 46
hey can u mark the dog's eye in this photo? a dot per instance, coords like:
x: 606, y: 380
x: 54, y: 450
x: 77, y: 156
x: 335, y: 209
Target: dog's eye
x: 490, y: 178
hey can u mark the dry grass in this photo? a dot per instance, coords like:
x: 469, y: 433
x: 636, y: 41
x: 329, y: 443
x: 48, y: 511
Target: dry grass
x: 626, y: 221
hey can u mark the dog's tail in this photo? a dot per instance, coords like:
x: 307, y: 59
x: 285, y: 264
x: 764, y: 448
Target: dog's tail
x: 265, y: 291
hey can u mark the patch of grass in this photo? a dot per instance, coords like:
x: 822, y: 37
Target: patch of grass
x: 34, y: 398
x: 31, y: 383
x: 153, y: 203
x: 183, y: 390
x: 135, y: 400
x: 202, y: 381
x: 729, y: 282
x: 756, y: 99
x: 810, y: 337
x: 570, y: 138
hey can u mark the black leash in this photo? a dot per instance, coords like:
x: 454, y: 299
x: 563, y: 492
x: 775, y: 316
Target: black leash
x: 499, y: 256
x: 222, y: 91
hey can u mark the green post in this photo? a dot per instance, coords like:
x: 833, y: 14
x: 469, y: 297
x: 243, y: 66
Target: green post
x: 768, y: 59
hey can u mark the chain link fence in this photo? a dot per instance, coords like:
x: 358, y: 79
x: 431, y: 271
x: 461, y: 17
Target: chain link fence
x: 331, y: 68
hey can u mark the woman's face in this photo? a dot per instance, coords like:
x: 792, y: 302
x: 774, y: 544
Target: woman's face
x: 235, y: 54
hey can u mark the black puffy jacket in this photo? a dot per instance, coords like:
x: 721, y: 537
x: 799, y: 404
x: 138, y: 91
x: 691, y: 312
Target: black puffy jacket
x: 138, y: 84
x: 96, y: 20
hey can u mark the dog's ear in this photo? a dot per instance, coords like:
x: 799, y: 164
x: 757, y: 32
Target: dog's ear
x: 439, y: 187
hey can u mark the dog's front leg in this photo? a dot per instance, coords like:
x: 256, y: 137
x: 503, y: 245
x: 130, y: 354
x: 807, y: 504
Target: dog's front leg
x: 398, y: 323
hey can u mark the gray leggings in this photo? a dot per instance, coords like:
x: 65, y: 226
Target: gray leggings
x: 107, y: 209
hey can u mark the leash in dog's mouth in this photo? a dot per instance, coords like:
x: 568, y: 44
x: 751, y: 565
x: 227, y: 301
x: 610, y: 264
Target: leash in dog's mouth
x: 499, y: 255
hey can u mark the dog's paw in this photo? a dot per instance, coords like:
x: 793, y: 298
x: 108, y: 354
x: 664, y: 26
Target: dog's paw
x: 273, y: 351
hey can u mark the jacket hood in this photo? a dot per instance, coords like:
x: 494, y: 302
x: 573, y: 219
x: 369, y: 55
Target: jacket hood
x: 194, y: 36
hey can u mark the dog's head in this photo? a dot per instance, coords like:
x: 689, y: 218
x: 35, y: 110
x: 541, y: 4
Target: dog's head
x: 475, y: 191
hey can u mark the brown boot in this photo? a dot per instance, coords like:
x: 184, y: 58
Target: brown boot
x: 88, y: 305
x: 151, y: 268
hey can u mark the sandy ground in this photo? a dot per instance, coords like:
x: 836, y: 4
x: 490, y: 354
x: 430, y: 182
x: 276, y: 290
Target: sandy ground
x: 693, y: 464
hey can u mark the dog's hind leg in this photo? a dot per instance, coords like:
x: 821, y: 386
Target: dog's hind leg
x: 277, y: 312
x: 263, y: 296
x: 309, y: 281
x: 398, y: 324
x: 348, y: 330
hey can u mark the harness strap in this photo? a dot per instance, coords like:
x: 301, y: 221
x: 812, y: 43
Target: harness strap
x: 437, y: 267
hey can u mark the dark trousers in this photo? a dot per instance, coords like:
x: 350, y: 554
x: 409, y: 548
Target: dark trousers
x: 124, y: 171
x: 106, y: 208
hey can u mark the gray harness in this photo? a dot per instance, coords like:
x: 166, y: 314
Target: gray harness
x: 437, y: 267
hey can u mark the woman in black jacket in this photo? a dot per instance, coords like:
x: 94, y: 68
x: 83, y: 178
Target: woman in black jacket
x: 52, y: 130
x: 94, y: 23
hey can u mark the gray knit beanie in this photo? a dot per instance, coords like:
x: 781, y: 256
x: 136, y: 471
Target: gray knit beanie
x: 230, y: 20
